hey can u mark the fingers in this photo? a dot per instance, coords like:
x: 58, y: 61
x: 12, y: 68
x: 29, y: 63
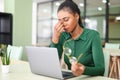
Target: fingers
x: 59, y: 27
x: 77, y: 69
x: 74, y: 66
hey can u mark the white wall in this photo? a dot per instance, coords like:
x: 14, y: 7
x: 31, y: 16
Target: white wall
x: 1, y: 5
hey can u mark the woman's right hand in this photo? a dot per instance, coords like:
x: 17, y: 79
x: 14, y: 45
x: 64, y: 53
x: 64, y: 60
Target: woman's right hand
x: 77, y: 68
x: 58, y: 29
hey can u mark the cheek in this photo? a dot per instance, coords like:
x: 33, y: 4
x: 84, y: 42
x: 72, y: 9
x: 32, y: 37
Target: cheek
x: 73, y: 23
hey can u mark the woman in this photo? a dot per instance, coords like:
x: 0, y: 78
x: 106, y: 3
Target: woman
x: 69, y: 33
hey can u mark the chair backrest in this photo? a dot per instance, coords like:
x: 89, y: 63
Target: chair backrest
x: 107, y: 62
x: 16, y: 52
x: 112, y: 45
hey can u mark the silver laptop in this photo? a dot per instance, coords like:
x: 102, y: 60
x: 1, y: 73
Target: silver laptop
x: 45, y: 61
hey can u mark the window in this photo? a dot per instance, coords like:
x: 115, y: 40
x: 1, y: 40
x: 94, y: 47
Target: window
x: 93, y: 17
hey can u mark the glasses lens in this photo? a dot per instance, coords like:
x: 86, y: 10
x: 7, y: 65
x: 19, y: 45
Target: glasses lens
x: 67, y: 51
x: 72, y: 59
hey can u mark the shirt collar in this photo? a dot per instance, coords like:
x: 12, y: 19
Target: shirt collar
x: 66, y: 35
x: 83, y: 35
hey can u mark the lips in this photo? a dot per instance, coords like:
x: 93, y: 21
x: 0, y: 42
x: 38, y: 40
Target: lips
x: 66, y: 29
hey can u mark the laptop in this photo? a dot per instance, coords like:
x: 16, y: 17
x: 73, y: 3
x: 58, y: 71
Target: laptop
x: 45, y: 61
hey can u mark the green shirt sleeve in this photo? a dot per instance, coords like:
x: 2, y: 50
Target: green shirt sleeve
x: 59, y: 46
x: 98, y: 58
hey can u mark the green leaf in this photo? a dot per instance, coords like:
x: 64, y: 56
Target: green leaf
x: 5, y: 57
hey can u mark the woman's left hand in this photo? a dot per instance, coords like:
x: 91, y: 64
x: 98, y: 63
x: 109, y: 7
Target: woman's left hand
x: 77, y: 68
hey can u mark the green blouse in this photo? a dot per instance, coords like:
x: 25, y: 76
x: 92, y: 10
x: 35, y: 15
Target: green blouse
x: 89, y: 45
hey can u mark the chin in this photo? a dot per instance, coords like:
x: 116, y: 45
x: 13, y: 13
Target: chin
x: 68, y: 31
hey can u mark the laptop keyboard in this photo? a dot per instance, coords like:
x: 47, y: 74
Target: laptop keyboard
x: 67, y: 74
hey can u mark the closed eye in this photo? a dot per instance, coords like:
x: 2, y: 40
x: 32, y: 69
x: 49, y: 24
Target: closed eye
x: 66, y: 19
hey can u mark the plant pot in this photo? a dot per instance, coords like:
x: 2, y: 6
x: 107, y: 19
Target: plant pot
x: 5, y: 68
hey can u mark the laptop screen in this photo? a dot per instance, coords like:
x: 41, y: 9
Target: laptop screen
x: 44, y: 61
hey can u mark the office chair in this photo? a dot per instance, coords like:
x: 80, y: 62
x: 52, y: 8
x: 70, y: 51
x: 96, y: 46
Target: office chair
x: 114, y: 51
x: 16, y: 52
x: 112, y: 45
x: 107, y: 62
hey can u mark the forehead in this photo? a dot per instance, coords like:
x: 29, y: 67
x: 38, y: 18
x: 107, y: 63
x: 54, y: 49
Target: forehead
x: 64, y: 13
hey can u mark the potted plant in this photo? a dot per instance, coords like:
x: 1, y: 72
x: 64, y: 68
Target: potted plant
x: 5, y: 58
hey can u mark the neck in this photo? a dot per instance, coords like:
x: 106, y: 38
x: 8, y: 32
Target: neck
x: 77, y: 31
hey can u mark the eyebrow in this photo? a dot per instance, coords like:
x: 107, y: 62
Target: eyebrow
x: 63, y: 18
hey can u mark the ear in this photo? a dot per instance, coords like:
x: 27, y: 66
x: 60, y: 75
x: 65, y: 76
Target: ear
x: 77, y: 16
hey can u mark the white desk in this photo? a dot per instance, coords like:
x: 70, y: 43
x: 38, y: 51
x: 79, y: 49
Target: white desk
x: 20, y: 70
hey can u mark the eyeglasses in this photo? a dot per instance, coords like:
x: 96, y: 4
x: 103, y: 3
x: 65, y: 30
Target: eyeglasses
x: 67, y: 51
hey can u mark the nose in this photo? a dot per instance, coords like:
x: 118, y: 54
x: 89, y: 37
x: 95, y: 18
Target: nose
x: 62, y: 21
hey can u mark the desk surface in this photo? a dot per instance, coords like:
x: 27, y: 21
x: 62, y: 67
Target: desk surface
x: 20, y: 70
